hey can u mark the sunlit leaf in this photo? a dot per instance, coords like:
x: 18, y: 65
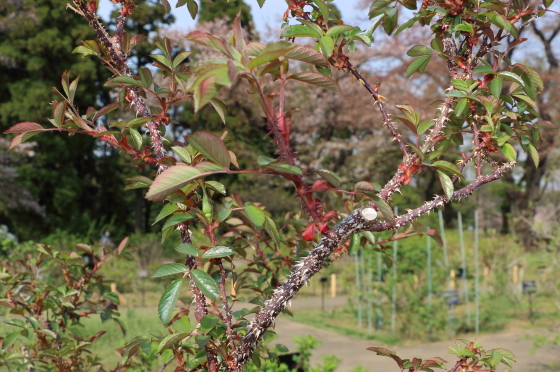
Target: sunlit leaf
x: 271, y: 52
x: 256, y: 215
x: 168, y: 300
x: 331, y: 177
x: 187, y: 248
x: 176, y: 219
x: 166, y: 211
x: 205, y: 283
x: 173, y: 178
x: 446, y: 184
x: 219, y: 251
x: 419, y: 64
x: 170, y: 269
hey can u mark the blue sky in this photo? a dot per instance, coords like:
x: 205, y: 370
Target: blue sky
x: 270, y: 14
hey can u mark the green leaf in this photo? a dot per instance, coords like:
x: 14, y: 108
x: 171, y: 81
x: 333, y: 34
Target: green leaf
x: 273, y: 165
x: 505, y: 354
x: 437, y: 44
x: 425, y: 125
x: 205, y: 283
x: 187, y: 248
x: 168, y: 300
x: 179, y: 58
x: 447, y: 167
x: 192, y: 6
x: 496, y: 86
x: 406, y: 25
x: 534, y: 154
x: 461, y: 105
x: 182, y: 153
x: 170, y: 269
x: 526, y: 99
x: 323, y: 8
x: 329, y: 176
x: 211, y: 146
x: 126, y: 80
x: 327, y: 45
x: 512, y: 77
x: 300, y: 31
x: 208, y: 322
x: 272, y: 231
x: 483, y: 69
x: 384, y: 208
x: 271, y: 52
x: 175, y: 219
x: 261, y: 3
x: 456, y: 93
x: 316, y: 78
x: 204, y: 91
x: 446, y: 184
x: 377, y: 7
x: 355, y: 243
x: 19, y: 139
x: 173, y: 178
x: 419, y: 64
x: 170, y: 340
x: 256, y: 215
x: 219, y: 251
x: 339, y: 29
x: 138, y: 182
x: 59, y: 112
x: 136, y: 138
x: 419, y: 50
x: 138, y: 121
x: 220, y: 108
x: 390, y: 21
x: 183, y: 324
x: 165, y: 211
x: 219, y: 187
x: 146, y: 76
x: 509, y: 152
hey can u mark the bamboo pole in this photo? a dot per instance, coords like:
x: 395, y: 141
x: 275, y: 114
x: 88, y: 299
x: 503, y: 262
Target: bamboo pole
x: 464, y: 264
x: 476, y: 284
x: 394, y: 289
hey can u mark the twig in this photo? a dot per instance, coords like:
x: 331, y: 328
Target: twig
x: 164, y: 366
x: 119, y: 60
x: 455, y: 367
x: 226, y: 308
x: 380, y: 104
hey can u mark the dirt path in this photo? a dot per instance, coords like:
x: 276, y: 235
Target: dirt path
x: 353, y: 352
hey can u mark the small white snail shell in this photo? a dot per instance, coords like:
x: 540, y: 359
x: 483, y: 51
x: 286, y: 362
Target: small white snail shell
x: 369, y: 214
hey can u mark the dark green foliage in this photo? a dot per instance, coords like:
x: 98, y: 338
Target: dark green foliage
x: 224, y: 8
x: 78, y: 181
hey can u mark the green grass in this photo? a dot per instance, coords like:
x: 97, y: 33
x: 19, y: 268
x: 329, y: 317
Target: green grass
x: 137, y: 321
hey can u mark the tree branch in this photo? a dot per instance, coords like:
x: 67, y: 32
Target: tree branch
x: 304, y: 270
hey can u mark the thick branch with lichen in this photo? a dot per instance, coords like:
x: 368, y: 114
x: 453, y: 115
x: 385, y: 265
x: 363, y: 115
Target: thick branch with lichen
x: 314, y: 262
